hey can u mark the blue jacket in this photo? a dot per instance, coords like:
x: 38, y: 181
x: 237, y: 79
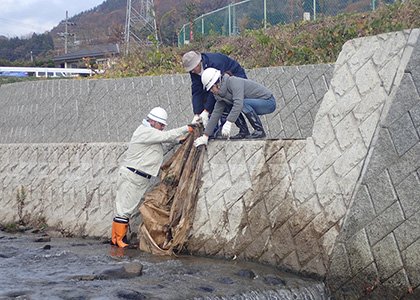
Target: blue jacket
x: 205, y: 100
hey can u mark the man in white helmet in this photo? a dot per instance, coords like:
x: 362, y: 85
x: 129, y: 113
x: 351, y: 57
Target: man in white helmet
x: 143, y: 160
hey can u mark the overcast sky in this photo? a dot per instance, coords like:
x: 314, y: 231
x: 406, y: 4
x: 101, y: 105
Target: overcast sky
x: 23, y: 17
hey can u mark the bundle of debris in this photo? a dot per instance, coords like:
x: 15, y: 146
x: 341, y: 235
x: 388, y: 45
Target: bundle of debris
x: 168, y: 210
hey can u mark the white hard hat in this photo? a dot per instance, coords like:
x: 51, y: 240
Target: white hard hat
x: 210, y: 77
x: 158, y: 114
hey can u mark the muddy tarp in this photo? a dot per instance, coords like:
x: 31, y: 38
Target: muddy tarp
x: 168, y: 210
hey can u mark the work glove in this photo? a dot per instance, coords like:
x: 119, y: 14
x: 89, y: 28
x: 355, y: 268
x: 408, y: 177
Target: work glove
x: 202, y: 140
x: 191, y: 129
x: 226, y: 129
x: 204, y: 117
x: 196, y: 119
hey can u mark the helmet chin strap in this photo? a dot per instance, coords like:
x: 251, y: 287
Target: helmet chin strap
x: 154, y: 124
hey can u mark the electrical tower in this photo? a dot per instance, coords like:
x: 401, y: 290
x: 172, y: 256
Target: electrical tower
x: 140, y: 22
x: 66, y: 33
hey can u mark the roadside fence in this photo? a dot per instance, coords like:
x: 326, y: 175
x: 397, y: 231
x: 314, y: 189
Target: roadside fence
x: 235, y: 18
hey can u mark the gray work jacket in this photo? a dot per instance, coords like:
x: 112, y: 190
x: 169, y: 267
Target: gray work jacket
x: 232, y: 93
x: 145, y: 152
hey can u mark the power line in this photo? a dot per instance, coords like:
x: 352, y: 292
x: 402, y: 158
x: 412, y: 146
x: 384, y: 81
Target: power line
x: 21, y: 25
x: 16, y: 23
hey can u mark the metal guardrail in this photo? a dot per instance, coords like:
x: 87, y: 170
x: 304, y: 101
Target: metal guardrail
x: 235, y: 18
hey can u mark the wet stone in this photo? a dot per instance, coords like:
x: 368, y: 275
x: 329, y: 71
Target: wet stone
x: 73, y: 295
x: 273, y: 280
x: 18, y: 294
x: 83, y: 278
x: 130, y: 295
x: 207, y: 289
x: 132, y: 269
x: 78, y: 244
x: 190, y: 272
x: 23, y: 229
x: 154, y: 287
x: 112, y: 273
x: 159, y: 286
x: 43, y: 239
x: 184, y: 271
x: 226, y: 280
x: 245, y: 273
x: 47, y: 247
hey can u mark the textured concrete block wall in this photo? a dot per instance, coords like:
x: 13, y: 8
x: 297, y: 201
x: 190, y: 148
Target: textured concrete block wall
x: 379, y: 244
x: 58, y: 136
x: 69, y: 186
x: 285, y: 202
x: 109, y: 110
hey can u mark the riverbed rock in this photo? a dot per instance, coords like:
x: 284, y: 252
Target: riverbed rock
x: 226, y: 280
x: 208, y: 289
x: 130, y: 295
x: 245, y: 273
x: 135, y: 268
x: 54, y: 232
x: 131, y: 269
x: 17, y: 295
x: 274, y: 280
x: 42, y: 239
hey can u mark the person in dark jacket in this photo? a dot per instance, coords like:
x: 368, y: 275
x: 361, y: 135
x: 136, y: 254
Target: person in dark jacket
x: 239, y: 94
x: 203, y: 101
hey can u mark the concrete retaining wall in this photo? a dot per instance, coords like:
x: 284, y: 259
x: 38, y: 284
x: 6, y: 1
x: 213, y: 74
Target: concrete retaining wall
x: 109, y: 110
x: 378, y: 247
x: 63, y: 124
x: 336, y: 196
x: 350, y: 191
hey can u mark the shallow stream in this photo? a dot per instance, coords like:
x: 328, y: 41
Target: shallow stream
x: 35, y: 267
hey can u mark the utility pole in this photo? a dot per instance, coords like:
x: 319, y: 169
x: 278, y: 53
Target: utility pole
x: 66, y: 33
x: 140, y: 20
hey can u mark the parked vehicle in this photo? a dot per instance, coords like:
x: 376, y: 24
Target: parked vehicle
x: 14, y: 74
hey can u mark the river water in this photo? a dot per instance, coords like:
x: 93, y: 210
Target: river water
x: 77, y: 268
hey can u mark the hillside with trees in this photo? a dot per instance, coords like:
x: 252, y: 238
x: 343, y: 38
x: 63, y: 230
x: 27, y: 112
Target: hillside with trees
x: 310, y: 42
x: 101, y: 25
x: 38, y: 47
